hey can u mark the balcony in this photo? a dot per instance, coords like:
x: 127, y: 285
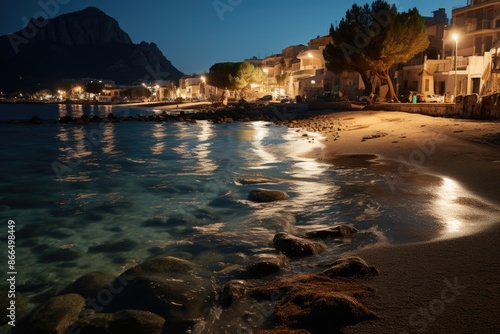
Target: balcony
x: 304, y: 73
x: 479, y: 25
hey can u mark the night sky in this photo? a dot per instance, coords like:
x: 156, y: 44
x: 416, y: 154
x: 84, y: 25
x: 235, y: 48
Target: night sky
x: 195, y: 34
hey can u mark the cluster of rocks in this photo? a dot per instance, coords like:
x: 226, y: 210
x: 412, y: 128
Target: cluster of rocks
x: 245, y: 112
x: 167, y: 294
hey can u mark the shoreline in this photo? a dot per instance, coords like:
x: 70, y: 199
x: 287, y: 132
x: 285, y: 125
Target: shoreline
x: 442, y: 286
x: 408, y: 292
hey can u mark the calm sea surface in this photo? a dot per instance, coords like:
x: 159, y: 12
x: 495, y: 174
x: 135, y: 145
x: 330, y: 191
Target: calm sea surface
x: 108, y: 196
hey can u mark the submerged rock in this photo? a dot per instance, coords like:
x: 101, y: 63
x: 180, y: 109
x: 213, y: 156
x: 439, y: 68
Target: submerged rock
x: 5, y: 304
x: 170, y: 287
x: 90, y: 284
x: 266, y: 195
x: 232, y: 291
x: 126, y: 321
x: 123, y: 245
x: 35, y: 120
x: 296, y: 247
x: 66, y: 119
x: 53, y: 316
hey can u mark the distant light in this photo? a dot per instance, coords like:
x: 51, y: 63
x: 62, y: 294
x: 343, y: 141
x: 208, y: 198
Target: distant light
x: 313, y: 82
x: 455, y: 37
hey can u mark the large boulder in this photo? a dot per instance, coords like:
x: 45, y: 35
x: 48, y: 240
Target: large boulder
x: 126, y: 321
x: 170, y: 287
x: 267, y: 195
x: 54, y: 316
x: 90, y: 284
x: 321, y: 311
x: 296, y: 247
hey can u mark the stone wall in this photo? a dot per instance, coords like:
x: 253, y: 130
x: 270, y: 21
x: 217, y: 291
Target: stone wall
x: 468, y: 106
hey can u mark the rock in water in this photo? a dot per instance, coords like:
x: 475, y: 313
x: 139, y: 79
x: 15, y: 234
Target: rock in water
x: 336, y: 231
x: 90, y: 284
x: 296, y: 247
x: 232, y: 291
x: 264, y: 264
x: 170, y: 287
x: 126, y: 321
x: 53, y: 316
x: 266, y: 195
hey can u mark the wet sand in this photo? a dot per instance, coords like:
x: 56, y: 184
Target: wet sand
x: 445, y: 286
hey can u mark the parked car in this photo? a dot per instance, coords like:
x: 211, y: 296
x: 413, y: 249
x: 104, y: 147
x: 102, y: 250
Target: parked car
x: 434, y: 98
x: 179, y: 99
x: 286, y: 99
x: 265, y: 98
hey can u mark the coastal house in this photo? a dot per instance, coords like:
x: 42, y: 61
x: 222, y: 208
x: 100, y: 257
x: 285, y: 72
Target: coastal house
x: 476, y: 27
x: 309, y: 77
x: 190, y: 87
x: 418, y: 73
x: 464, y: 64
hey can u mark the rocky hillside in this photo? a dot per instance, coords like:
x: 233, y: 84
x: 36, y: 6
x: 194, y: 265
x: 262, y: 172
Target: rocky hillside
x: 86, y: 43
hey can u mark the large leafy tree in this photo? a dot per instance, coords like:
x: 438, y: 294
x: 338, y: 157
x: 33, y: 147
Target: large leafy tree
x: 235, y: 76
x: 374, y: 38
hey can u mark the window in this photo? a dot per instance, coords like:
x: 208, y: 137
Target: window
x: 426, y: 85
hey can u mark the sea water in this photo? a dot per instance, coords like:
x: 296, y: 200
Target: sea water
x: 108, y: 196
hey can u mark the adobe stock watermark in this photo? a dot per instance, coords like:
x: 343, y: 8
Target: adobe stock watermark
x: 424, y: 316
x: 223, y: 6
x: 155, y: 74
x: 415, y: 160
x: 49, y: 9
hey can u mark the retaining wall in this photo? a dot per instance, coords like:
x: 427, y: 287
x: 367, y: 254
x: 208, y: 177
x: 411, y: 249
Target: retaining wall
x: 468, y: 106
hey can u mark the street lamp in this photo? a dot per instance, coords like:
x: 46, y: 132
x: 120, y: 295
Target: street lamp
x: 455, y: 38
x: 266, y: 85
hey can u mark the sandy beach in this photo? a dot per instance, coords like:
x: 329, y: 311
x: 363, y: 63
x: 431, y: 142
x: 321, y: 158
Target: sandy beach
x: 444, y: 286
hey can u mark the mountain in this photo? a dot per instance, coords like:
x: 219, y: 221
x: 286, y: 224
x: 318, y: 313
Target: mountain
x: 83, y: 44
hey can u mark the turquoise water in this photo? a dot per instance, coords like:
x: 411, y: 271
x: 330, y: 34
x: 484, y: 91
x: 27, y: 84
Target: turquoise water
x: 108, y: 196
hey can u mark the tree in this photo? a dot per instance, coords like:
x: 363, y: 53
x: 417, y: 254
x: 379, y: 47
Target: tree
x: 170, y: 90
x: 374, y: 38
x: 42, y: 93
x: 235, y: 76
x: 94, y: 87
x: 283, y: 75
x: 137, y: 92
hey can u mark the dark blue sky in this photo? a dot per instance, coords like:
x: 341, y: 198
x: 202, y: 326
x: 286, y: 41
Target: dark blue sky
x: 194, y: 34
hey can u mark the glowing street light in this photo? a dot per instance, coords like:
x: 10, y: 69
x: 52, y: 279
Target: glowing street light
x: 455, y: 38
